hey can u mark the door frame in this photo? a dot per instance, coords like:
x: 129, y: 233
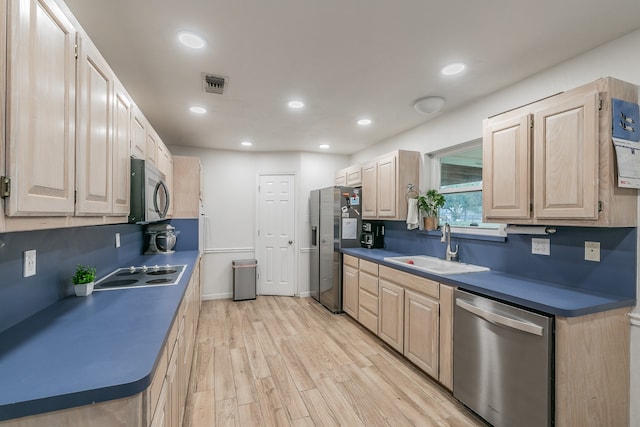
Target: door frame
x: 258, y: 250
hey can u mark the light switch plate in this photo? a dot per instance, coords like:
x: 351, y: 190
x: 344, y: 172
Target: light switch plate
x: 29, y: 266
x: 592, y: 251
x: 540, y: 246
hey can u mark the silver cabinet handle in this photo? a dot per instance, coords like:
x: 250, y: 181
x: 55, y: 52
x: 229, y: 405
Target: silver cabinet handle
x: 500, y: 320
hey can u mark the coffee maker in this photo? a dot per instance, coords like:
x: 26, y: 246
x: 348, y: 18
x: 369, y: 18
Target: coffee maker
x: 372, y: 235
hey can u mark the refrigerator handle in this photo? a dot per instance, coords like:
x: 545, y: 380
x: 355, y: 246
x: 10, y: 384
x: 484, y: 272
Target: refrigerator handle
x: 314, y: 235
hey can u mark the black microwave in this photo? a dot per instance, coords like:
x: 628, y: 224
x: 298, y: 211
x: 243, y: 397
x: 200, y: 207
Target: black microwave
x: 149, y: 193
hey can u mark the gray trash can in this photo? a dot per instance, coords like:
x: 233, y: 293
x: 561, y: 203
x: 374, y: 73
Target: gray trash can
x: 244, y: 279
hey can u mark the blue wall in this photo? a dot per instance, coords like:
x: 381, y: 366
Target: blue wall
x: 614, y: 274
x: 58, y: 251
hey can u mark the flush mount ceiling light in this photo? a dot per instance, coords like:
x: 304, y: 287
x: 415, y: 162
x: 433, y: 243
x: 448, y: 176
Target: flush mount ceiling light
x: 191, y: 40
x: 324, y: 146
x: 295, y: 104
x: 429, y: 104
x: 364, y: 122
x: 246, y: 143
x: 455, y: 68
x: 198, y: 110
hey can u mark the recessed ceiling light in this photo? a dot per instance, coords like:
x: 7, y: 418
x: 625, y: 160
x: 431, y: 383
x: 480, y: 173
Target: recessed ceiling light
x: 452, y: 69
x: 191, y: 40
x: 246, y: 143
x: 365, y: 122
x: 324, y: 146
x: 198, y: 110
x: 296, y: 104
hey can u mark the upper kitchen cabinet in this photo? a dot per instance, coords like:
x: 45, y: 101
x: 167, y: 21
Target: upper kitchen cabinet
x: 40, y: 137
x: 384, y: 185
x: 552, y: 162
x: 187, y: 189
x: 122, y: 114
x: 138, y: 134
x: 165, y: 165
x: 351, y: 176
x: 94, y: 143
x: 152, y: 146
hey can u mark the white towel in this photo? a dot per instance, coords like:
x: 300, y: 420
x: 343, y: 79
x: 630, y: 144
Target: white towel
x: 412, y: 214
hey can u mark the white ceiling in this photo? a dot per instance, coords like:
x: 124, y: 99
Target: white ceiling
x: 345, y: 58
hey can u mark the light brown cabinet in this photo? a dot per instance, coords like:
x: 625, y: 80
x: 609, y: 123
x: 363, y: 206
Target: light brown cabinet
x: 391, y: 314
x: 368, y: 295
x: 41, y: 107
x: 350, y: 177
x: 94, y: 138
x: 552, y: 162
x: 421, y: 331
x: 412, y: 314
x: 384, y: 184
x: 186, y: 190
x: 350, y: 286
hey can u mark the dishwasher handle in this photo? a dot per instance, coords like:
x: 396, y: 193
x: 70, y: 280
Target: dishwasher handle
x: 499, y: 319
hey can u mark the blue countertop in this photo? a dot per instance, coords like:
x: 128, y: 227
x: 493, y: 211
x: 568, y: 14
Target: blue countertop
x: 83, y: 350
x: 538, y: 295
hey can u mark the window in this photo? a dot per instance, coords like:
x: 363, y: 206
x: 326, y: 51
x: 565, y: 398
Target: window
x: 457, y: 174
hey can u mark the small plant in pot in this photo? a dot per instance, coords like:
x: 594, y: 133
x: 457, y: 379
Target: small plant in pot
x: 83, y: 280
x: 430, y: 204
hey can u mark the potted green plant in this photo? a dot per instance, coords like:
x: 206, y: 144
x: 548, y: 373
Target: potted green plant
x: 430, y: 204
x: 83, y: 280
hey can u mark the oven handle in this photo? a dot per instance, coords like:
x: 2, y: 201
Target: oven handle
x: 499, y: 319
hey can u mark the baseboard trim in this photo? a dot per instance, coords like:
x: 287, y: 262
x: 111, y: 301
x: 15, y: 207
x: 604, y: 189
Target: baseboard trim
x: 634, y: 319
x: 206, y: 297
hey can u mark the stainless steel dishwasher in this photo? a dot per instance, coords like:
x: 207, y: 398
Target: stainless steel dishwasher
x: 503, y: 361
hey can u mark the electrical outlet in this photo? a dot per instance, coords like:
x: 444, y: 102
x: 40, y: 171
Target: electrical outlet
x: 29, y: 267
x: 592, y: 251
x: 540, y: 246
x: 117, y: 240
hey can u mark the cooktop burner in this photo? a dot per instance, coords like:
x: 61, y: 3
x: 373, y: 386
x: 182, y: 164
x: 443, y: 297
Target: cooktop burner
x: 141, y: 277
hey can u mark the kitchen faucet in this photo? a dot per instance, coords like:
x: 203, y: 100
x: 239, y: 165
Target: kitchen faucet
x: 450, y: 255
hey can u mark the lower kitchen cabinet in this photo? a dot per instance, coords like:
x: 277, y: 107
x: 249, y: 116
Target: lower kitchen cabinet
x: 391, y: 314
x: 412, y: 314
x: 350, y: 286
x: 368, y: 295
x: 421, y: 330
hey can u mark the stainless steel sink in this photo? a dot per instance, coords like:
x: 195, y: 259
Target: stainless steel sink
x: 435, y: 265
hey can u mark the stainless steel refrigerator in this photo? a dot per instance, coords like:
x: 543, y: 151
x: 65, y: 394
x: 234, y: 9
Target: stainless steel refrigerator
x: 335, y: 223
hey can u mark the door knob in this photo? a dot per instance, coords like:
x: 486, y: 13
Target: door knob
x: 290, y: 241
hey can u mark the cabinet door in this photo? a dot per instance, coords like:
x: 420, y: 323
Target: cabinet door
x: 445, y: 374
x: 341, y: 178
x: 386, y: 189
x: 173, y: 391
x: 369, y: 190
x: 354, y: 176
x: 152, y: 146
x: 391, y: 314
x: 138, y: 134
x: 160, y: 418
x: 350, y: 290
x: 566, y: 158
x: 421, y: 331
x: 94, y: 149
x: 40, y: 109
x: 121, y: 150
x: 506, y: 154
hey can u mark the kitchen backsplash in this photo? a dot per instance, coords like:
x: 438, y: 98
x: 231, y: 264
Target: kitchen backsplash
x: 614, y: 274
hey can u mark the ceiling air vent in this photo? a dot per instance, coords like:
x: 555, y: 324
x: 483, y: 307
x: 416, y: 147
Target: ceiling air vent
x: 213, y: 84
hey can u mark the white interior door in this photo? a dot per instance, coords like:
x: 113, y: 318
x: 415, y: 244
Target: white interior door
x: 276, y: 227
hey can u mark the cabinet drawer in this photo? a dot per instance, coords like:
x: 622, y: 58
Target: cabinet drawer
x: 368, y: 283
x: 369, y: 267
x: 411, y: 281
x: 368, y: 320
x: 350, y: 260
x: 368, y: 301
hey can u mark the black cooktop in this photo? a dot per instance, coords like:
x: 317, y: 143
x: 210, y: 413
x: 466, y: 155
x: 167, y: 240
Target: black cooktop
x: 141, y: 277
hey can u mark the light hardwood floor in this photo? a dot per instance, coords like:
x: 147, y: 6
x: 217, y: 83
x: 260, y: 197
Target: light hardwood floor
x: 280, y: 361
